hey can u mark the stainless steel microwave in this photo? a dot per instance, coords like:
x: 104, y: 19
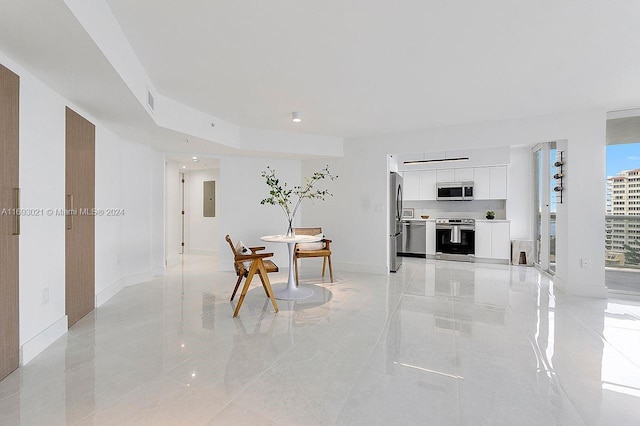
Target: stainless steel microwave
x: 455, y: 191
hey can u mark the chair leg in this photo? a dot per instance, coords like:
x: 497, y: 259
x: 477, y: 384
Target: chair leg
x: 262, y: 281
x: 252, y: 271
x: 236, y: 288
x: 324, y: 264
x: 330, y: 268
x: 295, y: 264
x: 267, y: 284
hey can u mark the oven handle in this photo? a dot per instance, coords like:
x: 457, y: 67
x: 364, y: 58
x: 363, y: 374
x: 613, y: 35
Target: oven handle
x: 455, y: 235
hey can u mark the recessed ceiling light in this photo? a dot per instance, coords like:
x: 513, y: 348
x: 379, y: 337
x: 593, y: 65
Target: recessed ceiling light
x: 184, y: 167
x: 296, y: 117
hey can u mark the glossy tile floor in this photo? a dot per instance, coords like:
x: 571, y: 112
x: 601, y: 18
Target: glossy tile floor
x: 438, y: 343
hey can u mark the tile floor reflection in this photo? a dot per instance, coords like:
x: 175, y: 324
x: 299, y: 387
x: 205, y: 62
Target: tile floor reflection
x: 438, y: 343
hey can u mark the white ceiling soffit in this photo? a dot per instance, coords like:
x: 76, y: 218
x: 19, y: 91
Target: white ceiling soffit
x: 101, y: 25
x: 368, y: 67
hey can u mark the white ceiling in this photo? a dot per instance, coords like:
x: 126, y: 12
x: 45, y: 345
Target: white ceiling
x: 353, y: 68
x: 373, y: 66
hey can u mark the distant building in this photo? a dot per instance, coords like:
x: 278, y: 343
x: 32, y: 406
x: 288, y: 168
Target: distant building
x: 623, y: 199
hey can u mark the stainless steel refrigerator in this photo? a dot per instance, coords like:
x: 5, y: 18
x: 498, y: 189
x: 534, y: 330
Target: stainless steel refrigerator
x: 395, y: 221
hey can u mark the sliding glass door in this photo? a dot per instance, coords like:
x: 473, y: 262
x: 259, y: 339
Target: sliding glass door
x: 544, y: 156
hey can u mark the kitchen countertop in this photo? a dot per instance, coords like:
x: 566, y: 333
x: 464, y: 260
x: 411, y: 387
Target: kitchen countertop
x: 492, y: 220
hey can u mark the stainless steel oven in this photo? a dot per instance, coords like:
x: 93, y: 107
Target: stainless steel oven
x: 455, y: 239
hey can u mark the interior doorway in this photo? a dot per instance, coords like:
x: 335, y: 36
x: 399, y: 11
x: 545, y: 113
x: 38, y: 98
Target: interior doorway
x: 80, y: 136
x: 545, y: 202
x: 9, y: 221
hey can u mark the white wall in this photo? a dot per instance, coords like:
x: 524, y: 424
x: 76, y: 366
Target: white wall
x: 108, y: 196
x: 520, y: 193
x: 128, y: 175
x: 42, y: 239
x: 203, y: 236
x: 173, y: 207
x: 331, y: 214
x: 241, y: 215
x: 363, y: 189
x: 157, y: 213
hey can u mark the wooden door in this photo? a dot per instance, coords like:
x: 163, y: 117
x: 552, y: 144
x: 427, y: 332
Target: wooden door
x: 80, y: 221
x: 9, y: 221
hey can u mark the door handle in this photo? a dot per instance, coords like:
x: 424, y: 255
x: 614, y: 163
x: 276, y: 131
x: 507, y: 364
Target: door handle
x: 70, y: 212
x: 16, y: 230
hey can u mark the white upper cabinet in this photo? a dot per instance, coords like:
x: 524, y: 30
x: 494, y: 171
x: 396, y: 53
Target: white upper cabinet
x: 455, y: 175
x: 498, y: 182
x: 463, y: 175
x: 482, y: 183
x: 446, y: 175
x: 411, y: 183
x: 490, y: 183
x: 428, y: 185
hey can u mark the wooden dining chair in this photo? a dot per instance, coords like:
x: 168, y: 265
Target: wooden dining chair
x: 246, y: 266
x: 321, y: 248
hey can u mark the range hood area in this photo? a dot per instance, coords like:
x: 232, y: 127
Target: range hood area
x: 461, y: 183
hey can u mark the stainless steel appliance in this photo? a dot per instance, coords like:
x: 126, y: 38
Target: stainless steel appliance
x: 455, y: 191
x: 414, y: 238
x: 455, y: 239
x: 395, y: 221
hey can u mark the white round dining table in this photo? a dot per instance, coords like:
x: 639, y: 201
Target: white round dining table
x: 291, y: 291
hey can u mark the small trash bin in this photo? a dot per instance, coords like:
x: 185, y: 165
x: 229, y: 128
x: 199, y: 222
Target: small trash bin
x: 522, y: 252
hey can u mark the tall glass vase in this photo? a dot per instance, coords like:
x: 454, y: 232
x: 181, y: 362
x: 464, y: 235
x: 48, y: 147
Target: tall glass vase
x: 291, y: 233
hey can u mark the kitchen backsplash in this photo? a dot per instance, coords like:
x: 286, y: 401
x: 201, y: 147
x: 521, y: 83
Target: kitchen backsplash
x: 476, y: 209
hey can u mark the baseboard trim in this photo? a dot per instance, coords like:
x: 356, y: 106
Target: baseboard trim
x: 109, y: 292
x: 43, y: 340
x: 127, y: 281
x: 158, y: 271
x: 493, y: 261
x: 598, y: 292
x: 134, y: 279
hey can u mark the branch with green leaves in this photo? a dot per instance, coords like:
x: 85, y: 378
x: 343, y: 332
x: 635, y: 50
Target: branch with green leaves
x: 281, y: 195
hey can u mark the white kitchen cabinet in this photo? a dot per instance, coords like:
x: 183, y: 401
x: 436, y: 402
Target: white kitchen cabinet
x: 446, y: 175
x: 431, y: 237
x: 428, y: 185
x: 498, y: 182
x: 411, y: 184
x: 463, y: 175
x: 482, y: 183
x: 500, y: 241
x: 483, y: 240
x: 493, y: 240
x: 490, y: 183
